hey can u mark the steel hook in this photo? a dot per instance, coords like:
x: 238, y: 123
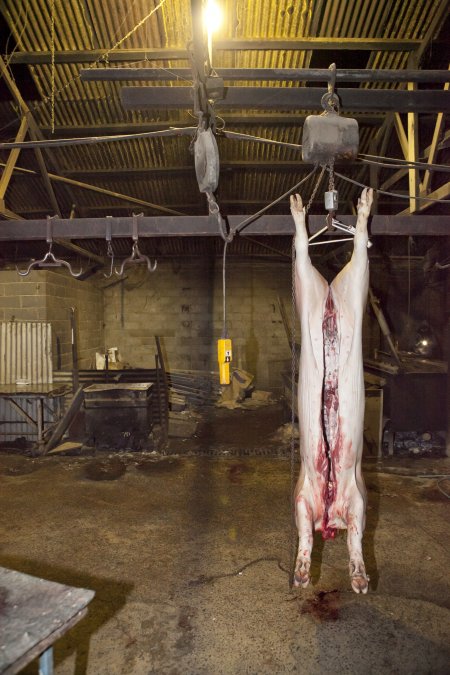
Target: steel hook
x: 49, y: 259
x: 136, y: 256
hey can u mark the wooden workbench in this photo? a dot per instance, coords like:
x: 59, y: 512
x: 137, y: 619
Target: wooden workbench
x: 34, y: 613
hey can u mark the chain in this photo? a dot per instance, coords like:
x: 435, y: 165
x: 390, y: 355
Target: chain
x: 53, y: 66
x: 316, y: 187
x: 331, y: 175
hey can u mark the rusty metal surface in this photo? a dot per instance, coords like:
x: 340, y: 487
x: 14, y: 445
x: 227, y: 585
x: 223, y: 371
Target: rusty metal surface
x: 281, y: 33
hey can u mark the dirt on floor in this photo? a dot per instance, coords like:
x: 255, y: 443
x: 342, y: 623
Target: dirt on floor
x: 190, y: 556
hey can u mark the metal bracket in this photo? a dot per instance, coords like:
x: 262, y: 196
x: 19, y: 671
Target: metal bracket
x: 330, y: 101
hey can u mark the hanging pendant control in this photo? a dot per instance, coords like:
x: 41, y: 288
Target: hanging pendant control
x: 331, y: 200
x: 224, y: 354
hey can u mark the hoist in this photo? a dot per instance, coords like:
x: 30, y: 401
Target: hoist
x: 328, y: 136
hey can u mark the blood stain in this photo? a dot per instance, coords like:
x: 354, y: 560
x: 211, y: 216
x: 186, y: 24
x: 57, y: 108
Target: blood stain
x: 324, y: 606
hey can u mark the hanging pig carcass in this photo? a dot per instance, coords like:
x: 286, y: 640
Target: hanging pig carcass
x: 330, y: 493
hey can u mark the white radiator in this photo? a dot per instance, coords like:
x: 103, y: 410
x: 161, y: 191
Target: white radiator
x: 25, y: 352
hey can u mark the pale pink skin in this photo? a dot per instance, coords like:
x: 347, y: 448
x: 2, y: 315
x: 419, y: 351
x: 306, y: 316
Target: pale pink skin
x: 340, y: 503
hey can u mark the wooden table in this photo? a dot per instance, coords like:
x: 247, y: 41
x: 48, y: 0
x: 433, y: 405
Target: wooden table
x: 34, y: 613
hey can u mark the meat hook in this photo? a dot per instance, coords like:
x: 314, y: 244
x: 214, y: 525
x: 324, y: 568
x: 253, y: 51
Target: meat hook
x: 49, y: 259
x: 136, y: 256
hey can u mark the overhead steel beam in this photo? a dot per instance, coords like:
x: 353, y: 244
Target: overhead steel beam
x: 290, y: 98
x: 263, y: 74
x: 206, y: 226
x: 173, y: 54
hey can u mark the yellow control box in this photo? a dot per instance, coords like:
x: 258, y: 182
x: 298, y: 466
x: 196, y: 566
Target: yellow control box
x: 225, y: 355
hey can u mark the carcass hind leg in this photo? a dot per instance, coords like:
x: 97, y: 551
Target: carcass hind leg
x: 355, y: 529
x: 303, y: 517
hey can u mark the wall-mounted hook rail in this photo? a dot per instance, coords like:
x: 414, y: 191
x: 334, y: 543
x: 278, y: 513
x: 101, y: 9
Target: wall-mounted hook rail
x: 49, y: 259
x: 136, y: 256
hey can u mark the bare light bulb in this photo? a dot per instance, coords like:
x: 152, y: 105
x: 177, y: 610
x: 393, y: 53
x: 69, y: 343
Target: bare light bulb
x: 212, y: 16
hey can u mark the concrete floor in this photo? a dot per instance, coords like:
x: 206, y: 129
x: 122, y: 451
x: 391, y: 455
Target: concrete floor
x: 187, y: 556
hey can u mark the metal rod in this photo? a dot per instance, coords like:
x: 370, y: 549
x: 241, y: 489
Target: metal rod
x: 74, y: 341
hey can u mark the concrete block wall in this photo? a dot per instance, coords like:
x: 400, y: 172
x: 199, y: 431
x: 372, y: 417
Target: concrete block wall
x: 181, y: 302
x: 47, y: 295
x: 22, y: 298
x: 62, y: 293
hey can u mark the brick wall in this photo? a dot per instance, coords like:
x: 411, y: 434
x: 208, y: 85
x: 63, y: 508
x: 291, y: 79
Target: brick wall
x: 47, y: 295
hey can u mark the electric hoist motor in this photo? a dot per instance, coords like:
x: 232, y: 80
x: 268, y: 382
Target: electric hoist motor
x: 327, y: 137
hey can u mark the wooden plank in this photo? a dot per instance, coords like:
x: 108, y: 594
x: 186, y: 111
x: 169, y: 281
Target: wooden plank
x: 65, y: 421
x: 434, y: 146
x: 12, y: 159
x: 35, y: 613
x: 165, y: 389
x: 442, y: 192
x: 413, y: 154
x: 402, y: 137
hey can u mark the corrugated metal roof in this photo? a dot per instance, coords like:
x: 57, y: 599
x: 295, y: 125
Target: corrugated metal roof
x: 62, y: 98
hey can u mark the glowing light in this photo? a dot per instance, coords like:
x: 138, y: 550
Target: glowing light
x: 212, y: 16
x: 424, y: 343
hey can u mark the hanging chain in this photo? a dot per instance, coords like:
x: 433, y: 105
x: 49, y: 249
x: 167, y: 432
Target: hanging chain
x: 314, y: 192
x: 331, y: 175
x: 53, y: 66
